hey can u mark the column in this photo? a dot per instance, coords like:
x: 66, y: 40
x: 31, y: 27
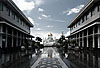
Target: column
x: 12, y: 38
x: 87, y: 39
x: 93, y: 37
x: 99, y: 41
x: 99, y: 37
x: 0, y: 35
x: 17, y: 40
x: 6, y: 36
x: 79, y: 39
x: 94, y: 62
x: 1, y: 41
x: 20, y: 39
x: 83, y: 39
x: 23, y: 38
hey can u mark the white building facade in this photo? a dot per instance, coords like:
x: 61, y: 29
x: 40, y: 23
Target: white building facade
x: 85, y: 27
x: 14, y: 25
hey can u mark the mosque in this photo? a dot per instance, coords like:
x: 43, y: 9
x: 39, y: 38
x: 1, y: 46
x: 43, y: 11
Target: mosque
x: 50, y: 37
x: 49, y: 41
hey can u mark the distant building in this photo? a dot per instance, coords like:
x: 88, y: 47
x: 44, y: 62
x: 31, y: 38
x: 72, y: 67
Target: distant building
x: 50, y: 37
x: 48, y: 41
x: 14, y: 25
x: 85, y: 27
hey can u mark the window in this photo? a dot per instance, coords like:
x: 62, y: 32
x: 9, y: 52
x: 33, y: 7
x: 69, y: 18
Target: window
x: 82, y: 19
x: 71, y: 28
x: 85, y: 32
x: 95, y: 29
x: 81, y: 34
x: 94, y: 11
x: 17, y: 19
x: 6, y: 10
x: 1, y: 7
x: 79, y: 22
x: 9, y: 12
x: 77, y: 35
x: 4, y: 28
x: 85, y: 18
x: 88, y: 15
x: 99, y: 8
x: 13, y: 15
x: 74, y: 25
x: 90, y: 31
x: 9, y: 30
x: 3, y: 41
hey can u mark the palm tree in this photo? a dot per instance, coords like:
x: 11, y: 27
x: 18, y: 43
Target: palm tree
x: 38, y: 39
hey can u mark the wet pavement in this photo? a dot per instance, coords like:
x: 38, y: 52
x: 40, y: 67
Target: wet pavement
x: 82, y: 59
x: 49, y: 59
x: 17, y: 60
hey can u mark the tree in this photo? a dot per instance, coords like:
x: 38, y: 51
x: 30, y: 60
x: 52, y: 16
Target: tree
x: 38, y: 39
x: 61, y: 40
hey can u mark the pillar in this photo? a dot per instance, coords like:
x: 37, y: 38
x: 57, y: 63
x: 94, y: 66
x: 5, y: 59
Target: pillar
x: 1, y: 41
x: 99, y: 37
x: 83, y: 39
x: 93, y: 37
x: 23, y: 38
x: 79, y: 39
x: 6, y: 36
x: 0, y: 36
x: 20, y: 39
x: 17, y: 40
x: 87, y: 39
x: 12, y: 37
x: 99, y: 41
x: 94, y: 62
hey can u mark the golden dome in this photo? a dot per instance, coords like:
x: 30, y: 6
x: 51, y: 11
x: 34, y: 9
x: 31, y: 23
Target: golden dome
x: 50, y: 34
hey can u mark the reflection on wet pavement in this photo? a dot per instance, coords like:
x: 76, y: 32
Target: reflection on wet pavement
x: 49, y: 59
x: 17, y: 60
x: 84, y: 59
x: 49, y: 62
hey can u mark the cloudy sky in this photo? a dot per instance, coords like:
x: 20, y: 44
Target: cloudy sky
x: 50, y: 16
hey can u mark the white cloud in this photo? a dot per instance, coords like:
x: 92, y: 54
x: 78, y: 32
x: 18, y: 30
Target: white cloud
x: 31, y: 20
x: 39, y: 18
x: 38, y: 29
x: 56, y: 20
x: 38, y: 2
x: 67, y: 34
x: 24, y: 5
x: 73, y: 10
x: 49, y: 26
x: 46, y: 16
x: 40, y: 9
